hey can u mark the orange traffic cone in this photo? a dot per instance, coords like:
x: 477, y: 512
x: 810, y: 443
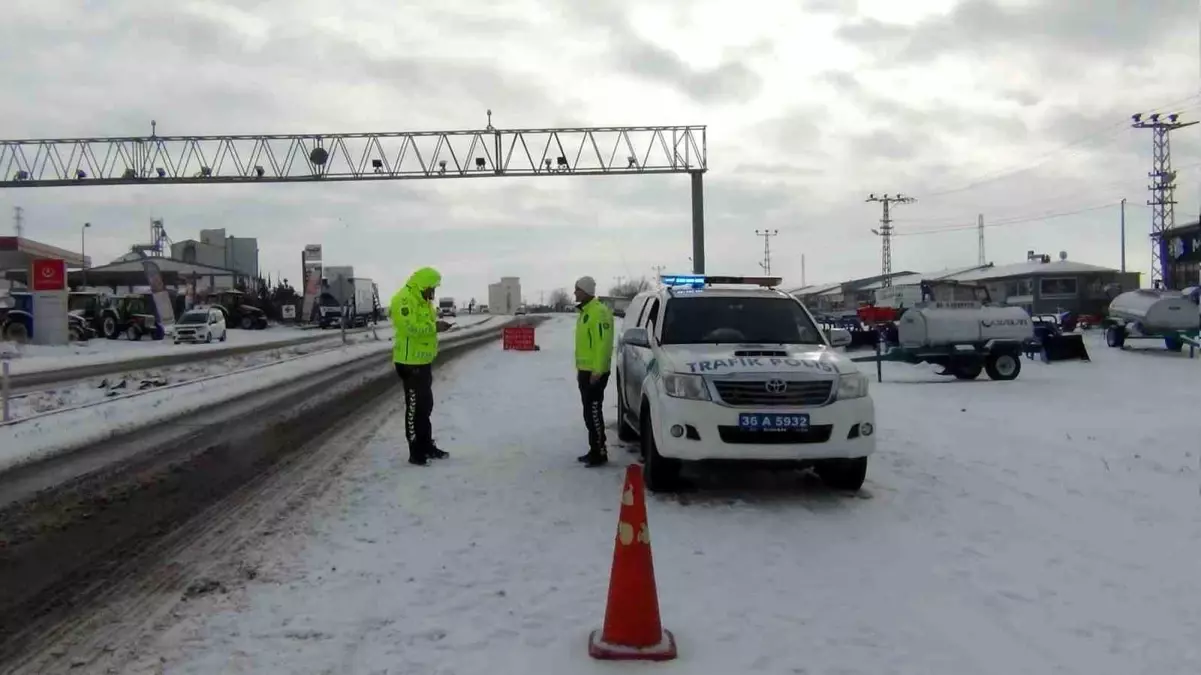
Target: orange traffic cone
x: 632, y: 629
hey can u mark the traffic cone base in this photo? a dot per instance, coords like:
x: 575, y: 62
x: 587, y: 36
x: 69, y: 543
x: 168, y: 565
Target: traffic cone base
x: 664, y: 651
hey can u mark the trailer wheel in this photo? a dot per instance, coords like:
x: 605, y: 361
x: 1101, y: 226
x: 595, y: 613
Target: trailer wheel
x: 1115, y: 336
x: 1003, y: 366
x: 1173, y: 344
x: 16, y: 332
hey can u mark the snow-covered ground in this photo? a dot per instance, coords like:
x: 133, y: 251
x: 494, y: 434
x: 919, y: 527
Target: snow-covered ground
x: 36, y: 358
x: 95, y: 416
x: 1048, y: 525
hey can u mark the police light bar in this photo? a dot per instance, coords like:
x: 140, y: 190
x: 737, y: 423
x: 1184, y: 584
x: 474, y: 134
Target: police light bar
x: 702, y: 280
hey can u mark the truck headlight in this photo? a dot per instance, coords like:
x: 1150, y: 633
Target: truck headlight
x: 690, y: 387
x: 852, y: 385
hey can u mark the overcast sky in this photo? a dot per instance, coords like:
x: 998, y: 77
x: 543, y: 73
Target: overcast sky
x: 1010, y: 108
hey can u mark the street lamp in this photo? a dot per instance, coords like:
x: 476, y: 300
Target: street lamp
x: 83, y: 251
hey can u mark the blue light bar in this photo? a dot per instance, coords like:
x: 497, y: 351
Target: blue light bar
x: 702, y: 280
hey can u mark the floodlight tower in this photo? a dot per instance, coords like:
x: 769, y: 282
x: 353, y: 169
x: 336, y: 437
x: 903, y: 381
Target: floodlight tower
x: 1162, y: 187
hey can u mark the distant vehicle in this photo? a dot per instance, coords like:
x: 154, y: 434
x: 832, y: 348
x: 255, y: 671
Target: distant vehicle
x: 363, y: 307
x: 483, y: 309
x: 520, y: 310
x: 16, y: 320
x: 203, y: 324
x: 131, y: 315
x: 446, y: 307
x: 239, y: 313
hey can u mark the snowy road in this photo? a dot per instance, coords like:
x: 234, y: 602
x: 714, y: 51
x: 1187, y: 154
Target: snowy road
x: 1048, y: 525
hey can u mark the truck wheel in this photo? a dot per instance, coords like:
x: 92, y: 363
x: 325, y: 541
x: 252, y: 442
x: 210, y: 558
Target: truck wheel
x: 625, y: 432
x: 1115, y: 336
x: 843, y: 474
x: 109, y: 328
x: 662, y: 474
x: 133, y: 333
x: 247, y: 323
x: 1003, y: 366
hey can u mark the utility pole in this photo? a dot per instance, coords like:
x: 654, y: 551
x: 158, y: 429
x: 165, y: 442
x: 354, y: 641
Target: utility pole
x: 1162, y: 187
x: 619, y: 279
x: 980, y: 257
x: 19, y: 220
x: 1123, y: 228
x: 803, y: 284
x: 658, y: 271
x: 885, y: 233
x: 767, y: 235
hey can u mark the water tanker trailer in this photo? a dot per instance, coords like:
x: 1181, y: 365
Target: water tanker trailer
x: 1155, y: 314
x: 965, y: 338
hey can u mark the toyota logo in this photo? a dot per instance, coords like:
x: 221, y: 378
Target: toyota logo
x: 776, y: 386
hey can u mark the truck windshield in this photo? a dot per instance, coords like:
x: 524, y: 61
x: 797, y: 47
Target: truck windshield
x: 717, y: 320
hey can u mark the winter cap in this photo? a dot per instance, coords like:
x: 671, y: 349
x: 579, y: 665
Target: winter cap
x: 586, y: 284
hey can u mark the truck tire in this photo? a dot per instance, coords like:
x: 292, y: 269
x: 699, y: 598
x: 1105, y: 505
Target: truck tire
x: 662, y: 474
x: 1003, y: 366
x: 133, y: 334
x: 108, y: 326
x: 247, y: 323
x: 843, y: 474
x: 1115, y: 336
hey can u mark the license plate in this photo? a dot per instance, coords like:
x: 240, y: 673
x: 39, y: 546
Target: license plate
x: 772, y: 422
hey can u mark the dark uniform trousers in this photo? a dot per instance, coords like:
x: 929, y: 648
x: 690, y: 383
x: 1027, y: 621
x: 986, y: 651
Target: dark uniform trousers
x: 419, y: 404
x: 593, y: 397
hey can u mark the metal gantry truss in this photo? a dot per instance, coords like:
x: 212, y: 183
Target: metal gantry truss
x: 149, y: 160
x: 311, y: 158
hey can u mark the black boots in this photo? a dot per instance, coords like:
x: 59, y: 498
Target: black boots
x: 594, y: 458
x: 423, y: 458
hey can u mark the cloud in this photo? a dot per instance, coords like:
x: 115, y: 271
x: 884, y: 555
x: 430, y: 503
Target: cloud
x: 1011, y: 109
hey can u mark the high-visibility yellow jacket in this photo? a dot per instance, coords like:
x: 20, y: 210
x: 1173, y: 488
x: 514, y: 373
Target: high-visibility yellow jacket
x: 414, y: 321
x: 594, y: 337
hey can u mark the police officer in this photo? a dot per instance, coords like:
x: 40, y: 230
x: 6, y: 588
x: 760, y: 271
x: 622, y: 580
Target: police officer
x: 416, y: 346
x: 593, y: 356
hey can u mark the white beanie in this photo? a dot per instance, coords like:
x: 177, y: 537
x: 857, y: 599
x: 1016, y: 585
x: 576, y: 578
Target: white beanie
x: 586, y: 284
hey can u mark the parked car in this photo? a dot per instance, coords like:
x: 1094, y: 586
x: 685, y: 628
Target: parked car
x: 201, y: 324
x: 738, y: 373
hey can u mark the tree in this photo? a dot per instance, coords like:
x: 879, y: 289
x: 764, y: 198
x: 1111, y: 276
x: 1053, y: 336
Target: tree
x: 628, y: 289
x: 560, y: 300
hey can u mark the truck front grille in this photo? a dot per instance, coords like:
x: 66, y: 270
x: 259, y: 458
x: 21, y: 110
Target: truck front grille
x: 757, y: 392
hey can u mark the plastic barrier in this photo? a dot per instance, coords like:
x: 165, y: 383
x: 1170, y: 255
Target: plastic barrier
x: 519, y: 338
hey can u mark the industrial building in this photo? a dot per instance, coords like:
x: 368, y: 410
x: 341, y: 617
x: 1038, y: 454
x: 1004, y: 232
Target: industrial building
x: 504, y: 297
x: 218, y: 250
x: 1039, y: 285
x: 1183, y: 256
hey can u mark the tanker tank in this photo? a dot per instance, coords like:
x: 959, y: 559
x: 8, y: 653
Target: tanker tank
x: 1157, y: 310
x: 943, y: 324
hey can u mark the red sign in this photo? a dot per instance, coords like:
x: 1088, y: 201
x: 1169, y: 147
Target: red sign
x: 48, y: 274
x: 520, y: 338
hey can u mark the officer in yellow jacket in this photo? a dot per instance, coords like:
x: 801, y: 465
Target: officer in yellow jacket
x: 416, y: 346
x: 593, y: 359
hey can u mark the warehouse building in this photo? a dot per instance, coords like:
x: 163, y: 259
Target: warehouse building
x: 1045, y: 286
x: 1182, y: 259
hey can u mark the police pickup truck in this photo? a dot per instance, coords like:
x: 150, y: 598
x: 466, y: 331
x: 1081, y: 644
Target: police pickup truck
x: 729, y: 368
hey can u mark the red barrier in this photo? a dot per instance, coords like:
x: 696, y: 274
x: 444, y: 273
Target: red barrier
x: 519, y: 338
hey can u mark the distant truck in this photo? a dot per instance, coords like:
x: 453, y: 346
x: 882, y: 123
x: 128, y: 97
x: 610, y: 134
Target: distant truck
x: 446, y: 307
x: 363, y: 306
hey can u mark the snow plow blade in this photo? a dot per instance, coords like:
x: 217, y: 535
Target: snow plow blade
x: 1064, y: 348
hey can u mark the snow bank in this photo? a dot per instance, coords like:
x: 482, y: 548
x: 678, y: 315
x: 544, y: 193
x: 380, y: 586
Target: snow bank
x: 25, y: 440
x: 1046, y: 525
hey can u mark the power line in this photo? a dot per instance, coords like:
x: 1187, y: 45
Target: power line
x: 1012, y: 221
x: 1162, y: 187
x: 885, y: 233
x: 767, y: 235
